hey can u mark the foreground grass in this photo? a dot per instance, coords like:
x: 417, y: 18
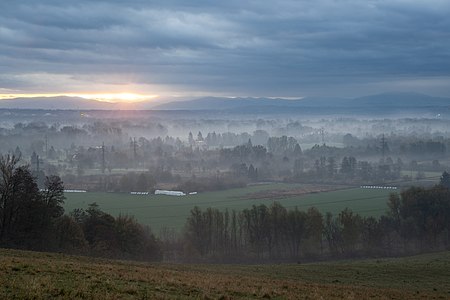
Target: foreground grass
x: 30, y: 275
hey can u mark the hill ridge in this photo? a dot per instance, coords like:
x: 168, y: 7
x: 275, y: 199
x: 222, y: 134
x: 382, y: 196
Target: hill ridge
x: 245, y: 104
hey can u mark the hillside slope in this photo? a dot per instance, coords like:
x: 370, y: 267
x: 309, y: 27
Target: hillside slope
x: 31, y: 275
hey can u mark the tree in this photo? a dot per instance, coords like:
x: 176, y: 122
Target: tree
x: 8, y: 165
x: 345, y: 165
x: 199, y: 136
x: 296, y: 230
x: 17, y: 152
x: 134, y: 240
x: 257, y: 228
x: 98, y: 228
x: 394, y: 205
x: 332, y: 233
x: 315, y: 228
x: 52, y: 153
x: 278, y: 218
x: 348, y: 166
x: 252, y: 173
x: 298, y: 167
x: 349, y: 140
x: 53, y: 196
x: 331, y: 167
x: 350, y: 224
x: 27, y: 216
x: 445, y: 180
x: 122, y: 237
x: 70, y: 236
x: 297, y: 150
x: 425, y: 213
x: 43, y: 212
x: 191, y: 139
x: 19, y: 203
x: 196, y: 231
x: 371, y: 235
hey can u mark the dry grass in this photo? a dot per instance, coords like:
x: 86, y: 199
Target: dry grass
x: 28, y: 275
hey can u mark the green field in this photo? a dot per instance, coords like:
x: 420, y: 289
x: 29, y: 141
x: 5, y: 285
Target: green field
x: 33, y: 275
x: 168, y: 211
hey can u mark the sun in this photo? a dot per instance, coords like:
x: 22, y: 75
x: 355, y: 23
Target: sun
x: 116, y: 97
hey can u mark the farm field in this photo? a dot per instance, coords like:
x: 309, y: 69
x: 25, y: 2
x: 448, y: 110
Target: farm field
x: 428, y: 175
x: 160, y: 211
x: 33, y: 275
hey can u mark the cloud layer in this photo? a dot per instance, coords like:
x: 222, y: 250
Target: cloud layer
x: 246, y: 48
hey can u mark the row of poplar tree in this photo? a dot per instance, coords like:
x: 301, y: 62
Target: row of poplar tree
x: 418, y: 220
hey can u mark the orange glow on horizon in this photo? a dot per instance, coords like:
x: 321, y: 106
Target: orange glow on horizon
x: 105, y: 97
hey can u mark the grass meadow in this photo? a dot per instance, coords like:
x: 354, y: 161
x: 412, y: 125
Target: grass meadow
x: 33, y: 275
x: 159, y: 211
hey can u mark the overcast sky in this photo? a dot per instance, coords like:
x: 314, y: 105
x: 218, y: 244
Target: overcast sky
x: 231, y: 48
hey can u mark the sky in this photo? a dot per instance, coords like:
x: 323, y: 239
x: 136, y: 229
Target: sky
x: 254, y: 48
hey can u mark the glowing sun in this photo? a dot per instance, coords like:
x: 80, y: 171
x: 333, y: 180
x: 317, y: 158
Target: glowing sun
x: 116, y: 97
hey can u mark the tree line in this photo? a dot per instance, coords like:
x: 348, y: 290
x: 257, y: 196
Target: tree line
x: 171, y: 161
x: 34, y: 219
x: 418, y: 220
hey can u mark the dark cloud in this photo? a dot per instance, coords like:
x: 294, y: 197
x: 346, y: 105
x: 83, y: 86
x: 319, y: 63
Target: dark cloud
x: 260, y: 48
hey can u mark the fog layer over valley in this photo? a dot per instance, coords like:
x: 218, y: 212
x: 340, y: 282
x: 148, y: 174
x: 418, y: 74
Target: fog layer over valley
x: 146, y: 139
x: 218, y: 185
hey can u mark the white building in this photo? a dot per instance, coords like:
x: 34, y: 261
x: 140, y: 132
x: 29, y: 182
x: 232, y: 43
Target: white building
x: 169, y: 193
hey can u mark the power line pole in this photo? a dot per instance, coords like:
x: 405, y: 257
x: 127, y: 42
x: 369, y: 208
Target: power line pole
x: 135, y: 151
x: 103, y: 158
x: 46, y: 146
x: 383, y: 146
x: 322, y: 134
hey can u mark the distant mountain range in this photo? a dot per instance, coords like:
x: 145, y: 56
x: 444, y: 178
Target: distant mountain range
x: 374, y: 102
x: 71, y: 103
x: 60, y: 102
x: 386, y: 100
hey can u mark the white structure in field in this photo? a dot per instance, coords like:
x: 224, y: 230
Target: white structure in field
x: 169, y: 193
x: 139, y: 193
x: 75, y: 191
x: 378, y: 187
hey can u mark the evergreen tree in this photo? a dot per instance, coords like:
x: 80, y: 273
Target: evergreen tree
x: 445, y: 180
x: 199, y: 136
x: 191, y: 139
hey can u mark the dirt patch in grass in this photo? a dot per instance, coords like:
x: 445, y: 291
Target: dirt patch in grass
x: 288, y: 193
